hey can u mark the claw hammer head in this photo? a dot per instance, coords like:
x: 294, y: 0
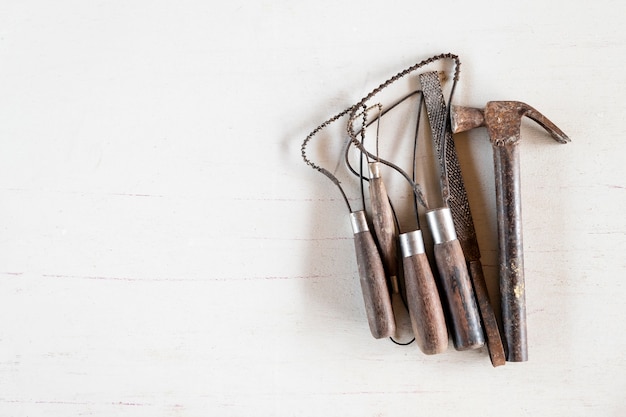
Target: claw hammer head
x: 502, y: 120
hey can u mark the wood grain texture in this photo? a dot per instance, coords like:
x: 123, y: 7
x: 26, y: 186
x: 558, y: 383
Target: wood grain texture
x: 425, y: 310
x: 465, y: 324
x: 384, y: 226
x: 374, y: 286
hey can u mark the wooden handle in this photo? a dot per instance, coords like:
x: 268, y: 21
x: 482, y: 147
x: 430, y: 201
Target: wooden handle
x: 467, y: 332
x: 492, y: 332
x: 383, y: 222
x: 374, y: 286
x: 425, y: 310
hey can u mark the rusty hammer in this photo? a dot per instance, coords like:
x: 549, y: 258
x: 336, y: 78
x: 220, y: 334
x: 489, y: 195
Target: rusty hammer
x: 502, y: 120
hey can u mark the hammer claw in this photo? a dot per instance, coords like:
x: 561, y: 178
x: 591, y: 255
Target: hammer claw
x: 556, y: 133
x: 502, y: 119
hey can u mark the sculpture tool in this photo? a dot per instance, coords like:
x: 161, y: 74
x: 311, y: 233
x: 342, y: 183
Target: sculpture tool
x: 422, y: 295
x: 371, y: 273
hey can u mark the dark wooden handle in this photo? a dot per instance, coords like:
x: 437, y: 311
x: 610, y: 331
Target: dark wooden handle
x: 374, y: 286
x: 466, y: 331
x: 384, y: 226
x: 425, y: 310
x: 490, y: 324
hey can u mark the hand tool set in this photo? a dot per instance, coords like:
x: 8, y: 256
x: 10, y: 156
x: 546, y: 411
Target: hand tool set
x: 393, y: 265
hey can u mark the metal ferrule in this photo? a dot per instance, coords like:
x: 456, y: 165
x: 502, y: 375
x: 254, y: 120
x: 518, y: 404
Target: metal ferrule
x: 411, y: 243
x: 374, y: 170
x: 441, y: 225
x: 359, y: 222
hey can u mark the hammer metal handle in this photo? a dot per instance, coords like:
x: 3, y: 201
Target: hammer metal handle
x: 510, y: 258
x: 372, y: 277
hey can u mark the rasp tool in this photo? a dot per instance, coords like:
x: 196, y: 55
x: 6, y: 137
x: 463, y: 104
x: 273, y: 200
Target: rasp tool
x: 455, y: 197
x: 466, y: 329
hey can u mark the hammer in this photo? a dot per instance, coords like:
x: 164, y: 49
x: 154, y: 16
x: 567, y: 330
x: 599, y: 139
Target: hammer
x: 502, y: 120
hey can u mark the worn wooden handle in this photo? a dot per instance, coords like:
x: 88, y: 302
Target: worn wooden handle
x: 374, y: 286
x: 425, y: 310
x: 383, y: 221
x: 467, y: 332
x: 490, y: 325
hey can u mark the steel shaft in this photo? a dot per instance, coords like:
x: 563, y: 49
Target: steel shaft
x: 510, y: 254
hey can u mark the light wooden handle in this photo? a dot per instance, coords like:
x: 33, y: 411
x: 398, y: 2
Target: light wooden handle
x: 374, y: 286
x: 383, y: 222
x: 425, y: 310
x: 467, y: 332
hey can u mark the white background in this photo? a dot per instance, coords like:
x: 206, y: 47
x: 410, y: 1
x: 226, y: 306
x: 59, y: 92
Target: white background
x: 165, y: 252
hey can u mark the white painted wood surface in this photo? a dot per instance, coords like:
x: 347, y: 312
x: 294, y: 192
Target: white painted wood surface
x: 165, y: 252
